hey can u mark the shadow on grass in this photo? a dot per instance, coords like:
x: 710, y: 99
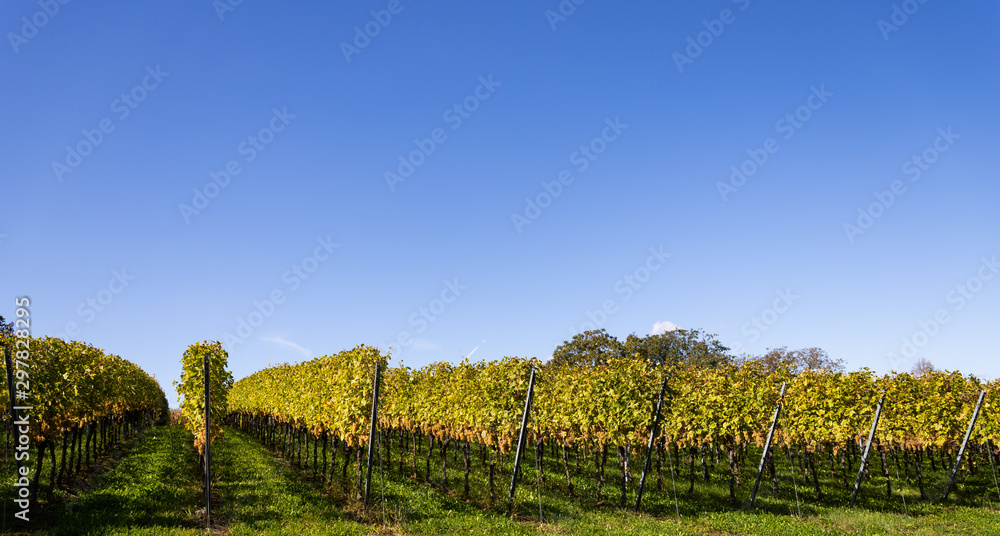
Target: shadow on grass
x: 413, y: 505
x: 261, y: 495
x: 154, y: 485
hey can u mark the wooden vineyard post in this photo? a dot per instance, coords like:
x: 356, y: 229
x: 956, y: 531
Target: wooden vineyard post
x: 767, y: 445
x: 868, y: 447
x: 372, y: 430
x: 521, y: 439
x: 965, y: 443
x: 649, y: 448
x: 208, y: 450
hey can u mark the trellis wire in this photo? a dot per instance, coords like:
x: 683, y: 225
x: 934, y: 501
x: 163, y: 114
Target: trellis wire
x: 902, y: 493
x: 795, y: 486
x: 381, y: 473
x: 538, y: 478
x: 989, y: 450
x: 670, y: 458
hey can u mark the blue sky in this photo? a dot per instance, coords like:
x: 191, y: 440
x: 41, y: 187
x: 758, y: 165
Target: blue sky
x: 566, y: 167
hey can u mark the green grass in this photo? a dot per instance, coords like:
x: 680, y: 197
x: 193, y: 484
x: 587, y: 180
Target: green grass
x: 259, y: 496
x: 413, y: 506
x: 156, y: 490
x: 262, y: 495
x: 153, y: 490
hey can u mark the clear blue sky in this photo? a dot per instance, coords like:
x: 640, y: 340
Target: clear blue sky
x: 647, y: 125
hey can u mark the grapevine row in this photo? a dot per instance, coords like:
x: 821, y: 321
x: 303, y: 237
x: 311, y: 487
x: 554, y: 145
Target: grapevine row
x: 82, y: 400
x: 191, y: 390
x: 595, y: 408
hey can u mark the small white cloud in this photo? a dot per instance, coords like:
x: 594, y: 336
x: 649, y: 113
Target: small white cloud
x: 307, y: 353
x: 663, y: 327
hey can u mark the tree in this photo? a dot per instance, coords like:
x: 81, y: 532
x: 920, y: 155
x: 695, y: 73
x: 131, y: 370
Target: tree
x: 679, y: 346
x: 798, y: 360
x: 6, y: 328
x: 587, y: 349
x: 921, y: 366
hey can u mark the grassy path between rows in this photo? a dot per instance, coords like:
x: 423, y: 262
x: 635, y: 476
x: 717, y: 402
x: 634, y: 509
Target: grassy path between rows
x: 259, y: 496
x: 156, y: 490
x: 153, y: 490
x: 415, y: 507
x: 263, y: 496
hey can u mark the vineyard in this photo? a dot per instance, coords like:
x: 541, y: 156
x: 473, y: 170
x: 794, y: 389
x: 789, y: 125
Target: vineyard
x: 81, y: 401
x: 473, y: 410
x: 456, y: 429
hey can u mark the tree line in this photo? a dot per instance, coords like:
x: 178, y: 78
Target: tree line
x: 692, y: 347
